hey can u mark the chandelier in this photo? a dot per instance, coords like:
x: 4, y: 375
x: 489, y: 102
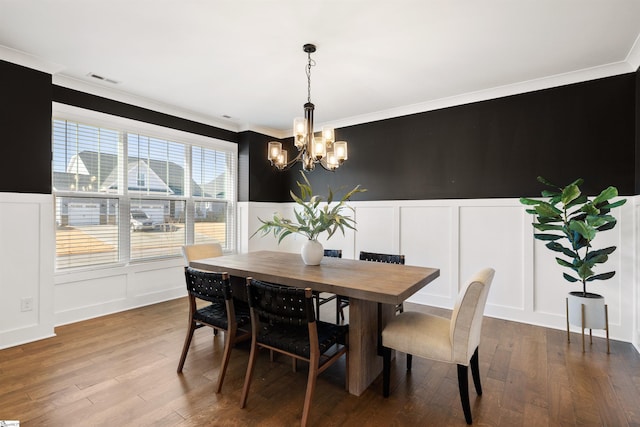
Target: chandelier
x: 322, y: 149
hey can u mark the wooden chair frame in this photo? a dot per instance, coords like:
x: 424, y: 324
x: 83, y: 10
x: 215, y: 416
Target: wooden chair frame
x: 318, y: 362
x: 233, y: 334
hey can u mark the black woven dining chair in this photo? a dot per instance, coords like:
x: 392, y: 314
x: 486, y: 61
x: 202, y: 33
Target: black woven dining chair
x: 283, y: 320
x: 343, y: 302
x: 322, y: 298
x: 223, y: 314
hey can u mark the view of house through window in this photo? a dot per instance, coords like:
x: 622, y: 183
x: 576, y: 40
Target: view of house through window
x: 113, y: 207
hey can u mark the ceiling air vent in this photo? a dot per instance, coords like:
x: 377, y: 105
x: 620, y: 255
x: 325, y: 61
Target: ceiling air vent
x: 104, y: 79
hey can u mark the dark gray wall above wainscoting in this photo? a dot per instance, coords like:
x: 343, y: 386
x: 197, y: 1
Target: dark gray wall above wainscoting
x: 25, y: 126
x: 496, y: 148
x: 257, y: 179
x: 637, y: 115
x: 488, y: 149
x: 108, y: 106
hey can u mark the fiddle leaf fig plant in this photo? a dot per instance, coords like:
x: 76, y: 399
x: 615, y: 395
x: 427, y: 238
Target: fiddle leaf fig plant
x: 311, y: 217
x: 569, y: 222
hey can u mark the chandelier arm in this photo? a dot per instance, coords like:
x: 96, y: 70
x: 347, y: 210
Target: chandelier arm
x: 310, y: 153
x: 291, y: 162
x: 323, y: 163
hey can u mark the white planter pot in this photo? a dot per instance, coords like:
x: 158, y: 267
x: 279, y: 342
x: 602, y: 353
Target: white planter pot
x: 312, y: 252
x: 594, y: 310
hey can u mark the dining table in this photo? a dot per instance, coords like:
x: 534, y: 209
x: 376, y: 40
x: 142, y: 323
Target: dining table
x: 374, y: 290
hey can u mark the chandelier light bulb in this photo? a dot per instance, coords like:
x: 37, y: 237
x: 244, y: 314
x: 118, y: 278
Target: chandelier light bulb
x: 311, y: 150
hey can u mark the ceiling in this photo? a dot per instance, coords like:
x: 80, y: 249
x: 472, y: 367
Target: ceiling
x: 205, y: 60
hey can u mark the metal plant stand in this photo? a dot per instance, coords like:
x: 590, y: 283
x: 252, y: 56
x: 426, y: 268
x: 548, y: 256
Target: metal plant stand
x: 583, y: 326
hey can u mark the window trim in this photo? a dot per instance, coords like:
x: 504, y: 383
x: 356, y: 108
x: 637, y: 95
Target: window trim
x: 125, y: 125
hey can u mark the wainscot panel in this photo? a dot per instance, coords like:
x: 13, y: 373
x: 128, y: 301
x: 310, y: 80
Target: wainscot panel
x: 26, y: 267
x: 462, y: 235
x: 428, y: 239
x: 87, y: 294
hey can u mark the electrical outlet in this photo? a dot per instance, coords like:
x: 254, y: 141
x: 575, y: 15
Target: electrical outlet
x: 26, y: 304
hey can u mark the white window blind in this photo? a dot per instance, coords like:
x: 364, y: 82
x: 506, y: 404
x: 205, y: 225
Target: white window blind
x: 124, y: 184
x: 214, y: 176
x: 84, y: 167
x: 156, y: 172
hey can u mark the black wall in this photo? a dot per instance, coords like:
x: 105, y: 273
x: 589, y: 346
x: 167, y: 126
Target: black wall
x: 494, y: 148
x: 25, y: 129
x: 258, y: 180
x: 108, y: 106
x: 637, y: 114
x: 497, y: 148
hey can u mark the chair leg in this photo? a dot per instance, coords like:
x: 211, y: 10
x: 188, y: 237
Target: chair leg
x: 475, y: 372
x: 409, y: 360
x: 187, y: 343
x: 339, y: 310
x: 311, y: 386
x: 229, y: 341
x: 386, y: 370
x: 249, y: 374
x: 463, y: 384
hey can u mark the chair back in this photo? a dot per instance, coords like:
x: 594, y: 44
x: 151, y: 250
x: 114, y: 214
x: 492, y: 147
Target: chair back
x: 333, y: 253
x: 280, y: 304
x: 376, y: 257
x: 201, y: 251
x: 208, y: 285
x: 466, y: 319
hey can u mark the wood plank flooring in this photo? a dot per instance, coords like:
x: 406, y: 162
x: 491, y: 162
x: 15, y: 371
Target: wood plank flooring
x: 120, y: 370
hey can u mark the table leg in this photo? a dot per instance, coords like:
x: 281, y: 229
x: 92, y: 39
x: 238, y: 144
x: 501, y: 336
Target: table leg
x: 364, y: 363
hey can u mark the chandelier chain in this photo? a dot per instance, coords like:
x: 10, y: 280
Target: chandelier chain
x: 310, y: 64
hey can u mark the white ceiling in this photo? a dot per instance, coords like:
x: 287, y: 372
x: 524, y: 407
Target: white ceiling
x: 376, y: 59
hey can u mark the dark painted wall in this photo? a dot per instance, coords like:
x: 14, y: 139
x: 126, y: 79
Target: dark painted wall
x: 109, y: 106
x: 25, y: 126
x: 637, y: 114
x: 493, y: 148
x: 496, y: 148
x: 258, y: 180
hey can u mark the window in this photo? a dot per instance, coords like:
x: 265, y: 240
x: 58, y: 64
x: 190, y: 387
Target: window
x: 128, y: 191
x: 213, y: 174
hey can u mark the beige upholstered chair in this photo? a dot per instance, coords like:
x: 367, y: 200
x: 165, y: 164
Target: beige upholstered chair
x: 201, y: 251
x: 452, y: 340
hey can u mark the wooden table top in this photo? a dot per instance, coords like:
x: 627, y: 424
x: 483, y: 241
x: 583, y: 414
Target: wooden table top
x: 366, y: 280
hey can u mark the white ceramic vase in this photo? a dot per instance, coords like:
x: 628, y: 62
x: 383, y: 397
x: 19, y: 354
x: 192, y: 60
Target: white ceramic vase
x: 594, y: 311
x: 312, y: 252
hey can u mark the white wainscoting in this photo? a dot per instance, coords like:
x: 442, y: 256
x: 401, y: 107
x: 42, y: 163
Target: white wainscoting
x: 27, y: 245
x: 457, y: 236
x: 462, y: 236
x: 88, y: 294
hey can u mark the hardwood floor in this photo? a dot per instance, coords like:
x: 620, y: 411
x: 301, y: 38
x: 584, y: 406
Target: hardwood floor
x: 120, y: 370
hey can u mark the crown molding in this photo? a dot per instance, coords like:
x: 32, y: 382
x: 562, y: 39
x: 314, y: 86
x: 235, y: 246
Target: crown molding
x: 138, y: 101
x: 629, y: 65
x: 274, y: 133
x: 633, y: 58
x: 492, y: 93
x: 30, y: 61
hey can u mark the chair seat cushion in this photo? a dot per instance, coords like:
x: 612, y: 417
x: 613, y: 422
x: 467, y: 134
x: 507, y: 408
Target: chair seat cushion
x: 295, y: 339
x: 419, y: 334
x: 216, y: 314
